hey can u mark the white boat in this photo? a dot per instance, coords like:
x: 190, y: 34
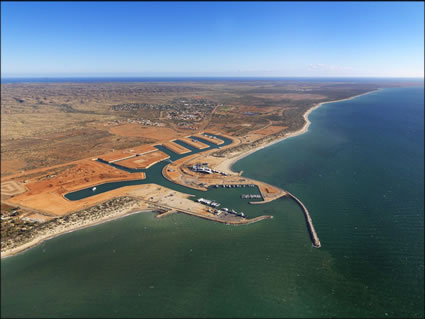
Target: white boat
x: 93, y: 189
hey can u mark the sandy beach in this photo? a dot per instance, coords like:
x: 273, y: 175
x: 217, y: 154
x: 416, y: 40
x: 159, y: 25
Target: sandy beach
x: 62, y: 226
x: 226, y: 164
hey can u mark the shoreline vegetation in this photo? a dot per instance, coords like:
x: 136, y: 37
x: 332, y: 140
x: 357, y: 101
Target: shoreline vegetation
x: 107, y: 211
x: 228, y: 163
x: 123, y: 206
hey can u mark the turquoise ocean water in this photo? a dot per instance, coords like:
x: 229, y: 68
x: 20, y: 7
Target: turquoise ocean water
x: 359, y: 170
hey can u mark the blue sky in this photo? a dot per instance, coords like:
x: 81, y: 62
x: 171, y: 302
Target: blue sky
x: 377, y: 39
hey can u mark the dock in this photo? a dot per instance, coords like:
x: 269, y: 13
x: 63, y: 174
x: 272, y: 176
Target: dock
x: 313, y: 235
x: 210, y: 138
x: 250, y: 196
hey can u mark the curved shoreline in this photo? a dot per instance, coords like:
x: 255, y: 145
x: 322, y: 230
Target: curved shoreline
x: 38, y: 241
x: 227, y: 164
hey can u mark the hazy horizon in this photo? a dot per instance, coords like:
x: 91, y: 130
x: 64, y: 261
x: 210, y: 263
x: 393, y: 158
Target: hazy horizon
x: 117, y: 76
x: 212, y: 39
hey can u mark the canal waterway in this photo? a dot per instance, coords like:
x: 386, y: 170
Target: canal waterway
x: 153, y: 173
x: 359, y: 170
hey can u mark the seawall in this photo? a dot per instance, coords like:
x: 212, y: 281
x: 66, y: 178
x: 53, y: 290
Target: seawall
x: 313, y: 235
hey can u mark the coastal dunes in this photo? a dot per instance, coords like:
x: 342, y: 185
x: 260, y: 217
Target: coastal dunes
x: 89, y: 216
x: 240, y: 150
x: 44, y: 199
x: 58, y: 123
x: 263, y: 131
x: 46, y: 192
x: 89, y: 172
x: 121, y: 202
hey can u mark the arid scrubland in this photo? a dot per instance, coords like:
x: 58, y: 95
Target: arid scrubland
x: 45, y: 124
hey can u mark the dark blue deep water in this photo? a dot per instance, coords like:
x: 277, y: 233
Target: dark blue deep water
x: 360, y: 171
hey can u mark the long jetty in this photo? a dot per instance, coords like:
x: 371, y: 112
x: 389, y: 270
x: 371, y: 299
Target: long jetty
x: 313, y: 235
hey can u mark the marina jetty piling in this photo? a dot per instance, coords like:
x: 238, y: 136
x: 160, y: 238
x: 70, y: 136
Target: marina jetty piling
x: 250, y: 196
x: 313, y: 235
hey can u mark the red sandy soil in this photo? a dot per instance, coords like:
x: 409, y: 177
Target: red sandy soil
x: 176, y: 148
x: 212, y: 140
x: 196, y: 144
x: 179, y: 173
x: 122, y: 154
x: 46, y: 186
x: 151, y: 132
x: 290, y: 96
x: 55, y: 204
x: 46, y: 193
x: 145, y: 160
x: 269, y: 130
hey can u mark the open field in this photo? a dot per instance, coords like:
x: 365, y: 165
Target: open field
x: 194, y: 143
x: 214, y: 140
x: 136, y: 130
x: 53, y: 132
x: 45, y: 124
x: 177, y: 148
x: 45, y: 193
x: 119, y: 155
x: 145, y: 160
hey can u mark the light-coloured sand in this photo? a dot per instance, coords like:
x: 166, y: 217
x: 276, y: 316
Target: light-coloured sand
x: 227, y: 163
x: 12, y: 188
